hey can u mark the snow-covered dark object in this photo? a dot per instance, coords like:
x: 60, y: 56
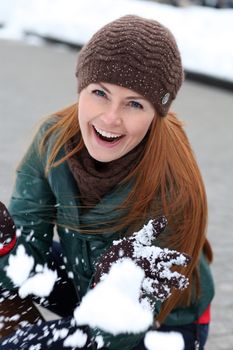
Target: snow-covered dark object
x: 117, y: 294
x: 156, y: 262
x: 19, y: 266
x: 16, y: 313
x: 20, y: 271
x: 7, y: 231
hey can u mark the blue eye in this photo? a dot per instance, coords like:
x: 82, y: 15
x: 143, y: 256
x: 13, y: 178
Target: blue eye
x: 136, y: 104
x: 98, y: 92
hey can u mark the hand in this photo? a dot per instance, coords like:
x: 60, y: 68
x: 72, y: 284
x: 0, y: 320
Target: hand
x: 7, y: 231
x: 15, y: 312
x: 156, y: 262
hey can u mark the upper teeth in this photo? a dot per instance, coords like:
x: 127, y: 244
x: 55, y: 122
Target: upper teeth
x: 106, y: 134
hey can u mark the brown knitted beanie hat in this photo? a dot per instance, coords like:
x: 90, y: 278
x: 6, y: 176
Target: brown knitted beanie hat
x: 136, y: 53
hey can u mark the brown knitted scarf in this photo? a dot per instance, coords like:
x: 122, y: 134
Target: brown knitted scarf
x: 96, y: 178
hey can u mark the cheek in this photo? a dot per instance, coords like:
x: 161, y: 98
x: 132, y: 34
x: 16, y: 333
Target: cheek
x: 83, y: 114
x: 139, y: 128
x: 87, y: 110
x: 83, y: 106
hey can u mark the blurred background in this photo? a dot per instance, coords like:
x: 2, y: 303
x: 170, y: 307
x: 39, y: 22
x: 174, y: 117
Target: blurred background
x: 203, y: 28
x: 211, y: 3
x: 39, y: 44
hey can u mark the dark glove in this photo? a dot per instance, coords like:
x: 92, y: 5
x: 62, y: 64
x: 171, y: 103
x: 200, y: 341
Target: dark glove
x: 16, y: 312
x: 156, y: 262
x: 7, y: 231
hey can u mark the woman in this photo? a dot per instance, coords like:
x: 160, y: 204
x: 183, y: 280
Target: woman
x: 102, y: 167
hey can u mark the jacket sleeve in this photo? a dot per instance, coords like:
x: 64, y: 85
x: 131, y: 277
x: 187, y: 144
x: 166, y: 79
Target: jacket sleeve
x: 32, y: 209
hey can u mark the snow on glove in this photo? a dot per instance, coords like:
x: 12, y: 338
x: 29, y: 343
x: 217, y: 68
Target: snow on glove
x: 156, y: 262
x: 7, y: 231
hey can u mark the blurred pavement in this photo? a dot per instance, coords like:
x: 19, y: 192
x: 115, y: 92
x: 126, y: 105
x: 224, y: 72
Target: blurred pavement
x: 36, y: 81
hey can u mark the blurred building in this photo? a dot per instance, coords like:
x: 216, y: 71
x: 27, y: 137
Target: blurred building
x: 210, y: 3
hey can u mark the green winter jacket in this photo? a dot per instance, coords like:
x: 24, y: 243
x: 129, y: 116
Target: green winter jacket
x: 40, y: 202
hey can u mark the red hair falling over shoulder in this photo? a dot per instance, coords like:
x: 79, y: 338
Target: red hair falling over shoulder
x: 167, y: 181
x: 170, y: 168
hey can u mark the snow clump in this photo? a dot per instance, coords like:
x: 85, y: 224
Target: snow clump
x: 155, y: 340
x: 117, y: 294
x: 19, y: 266
x: 18, y: 270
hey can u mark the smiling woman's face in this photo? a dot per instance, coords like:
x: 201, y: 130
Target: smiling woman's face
x: 113, y: 120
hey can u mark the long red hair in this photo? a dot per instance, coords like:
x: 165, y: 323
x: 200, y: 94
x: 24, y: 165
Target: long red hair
x: 167, y: 181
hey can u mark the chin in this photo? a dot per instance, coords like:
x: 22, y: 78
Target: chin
x: 102, y: 156
x: 103, y: 159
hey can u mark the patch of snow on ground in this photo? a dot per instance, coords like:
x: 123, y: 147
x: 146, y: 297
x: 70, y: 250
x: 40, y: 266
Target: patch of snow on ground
x: 203, y: 34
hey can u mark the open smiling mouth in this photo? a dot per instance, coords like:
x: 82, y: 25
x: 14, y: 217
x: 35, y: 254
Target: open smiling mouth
x: 104, y: 136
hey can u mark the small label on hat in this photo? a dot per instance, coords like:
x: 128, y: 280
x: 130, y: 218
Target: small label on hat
x: 165, y: 98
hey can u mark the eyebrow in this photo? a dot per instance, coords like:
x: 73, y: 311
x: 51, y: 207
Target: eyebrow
x: 127, y: 98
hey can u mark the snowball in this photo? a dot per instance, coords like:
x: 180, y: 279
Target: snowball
x: 39, y: 268
x: 14, y: 318
x: 155, y: 340
x: 77, y: 339
x: 41, y: 284
x: 18, y: 232
x: 71, y: 274
x: 146, y: 234
x: 60, y: 334
x: 100, y: 342
x: 20, y: 266
x: 113, y: 305
x: 35, y: 347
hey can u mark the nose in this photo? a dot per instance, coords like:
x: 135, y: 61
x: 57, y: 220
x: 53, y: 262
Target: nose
x: 112, y: 116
